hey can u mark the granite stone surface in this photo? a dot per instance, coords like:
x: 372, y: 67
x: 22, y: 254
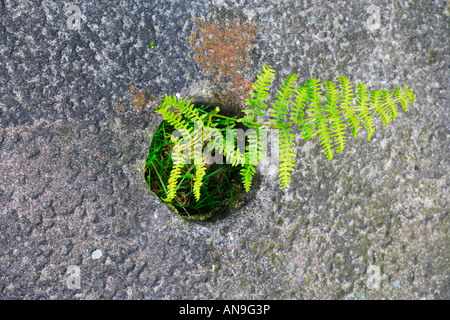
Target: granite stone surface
x: 77, y: 117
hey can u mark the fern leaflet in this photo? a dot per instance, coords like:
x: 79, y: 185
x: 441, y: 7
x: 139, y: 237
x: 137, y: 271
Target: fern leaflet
x: 278, y: 113
x: 347, y: 97
x: 259, y: 95
x: 363, y: 104
x: 378, y: 104
x: 337, y: 123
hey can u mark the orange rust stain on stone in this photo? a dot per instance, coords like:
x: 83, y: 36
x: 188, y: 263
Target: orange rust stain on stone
x: 139, y: 100
x: 223, y: 52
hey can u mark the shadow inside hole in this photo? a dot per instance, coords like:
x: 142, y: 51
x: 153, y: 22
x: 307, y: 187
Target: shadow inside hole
x: 229, y: 109
x: 221, y: 191
x: 244, y: 198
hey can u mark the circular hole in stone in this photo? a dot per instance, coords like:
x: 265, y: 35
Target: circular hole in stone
x: 221, y: 190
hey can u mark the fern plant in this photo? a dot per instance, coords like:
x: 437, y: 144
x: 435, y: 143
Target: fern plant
x: 180, y: 183
x: 324, y: 110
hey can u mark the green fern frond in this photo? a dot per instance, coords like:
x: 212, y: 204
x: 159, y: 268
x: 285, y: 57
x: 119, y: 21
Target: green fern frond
x: 337, y: 124
x: 238, y: 158
x: 200, y: 171
x: 402, y: 98
x: 260, y: 94
x: 233, y: 154
x: 230, y: 146
x: 247, y: 173
x: 405, y: 97
x: 314, y: 92
x: 179, y: 146
x: 262, y: 147
x: 179, y: 162
x: 307, y: 131
x: 325, y: 138
x: 286, y: 142
x: 379, y: 106
x: 363, y: 101
x: 175, y: 119
x: 320, y: 116
x: 216, y: 145
x: 390, y: 104
x: 298, y: 112
x: 190, y: 112
x: 299, y: 104
x: 346, y: 98
x: 227, y: 123
x: 219, y: 145
x: 178, y: 120
x: 172, y: 186
x: 409, y: 94
x: 280, y: 107
x: 326, y: 117
x: 286, y: 158
x: 314, y: 97
x: 252, y: 157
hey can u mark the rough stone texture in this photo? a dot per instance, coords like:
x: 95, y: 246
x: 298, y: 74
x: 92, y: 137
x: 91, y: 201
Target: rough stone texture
x: 370, y: 224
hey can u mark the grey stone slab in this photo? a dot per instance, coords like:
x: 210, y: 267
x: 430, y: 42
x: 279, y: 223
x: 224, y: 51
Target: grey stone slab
x: 372, y: 223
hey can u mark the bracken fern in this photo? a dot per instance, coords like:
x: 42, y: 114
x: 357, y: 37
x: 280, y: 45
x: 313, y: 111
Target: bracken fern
x: 309, y: 110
